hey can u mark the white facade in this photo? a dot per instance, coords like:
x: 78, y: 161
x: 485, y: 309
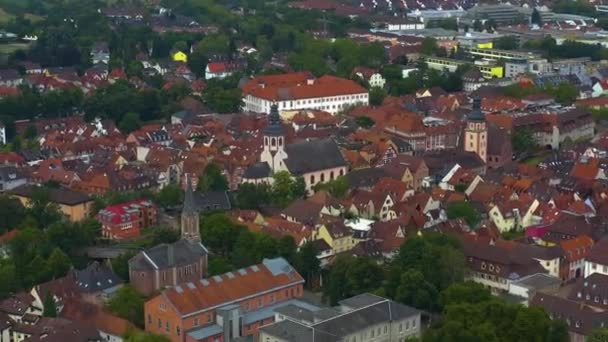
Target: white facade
x: 592, y: 267
x: 330, y: 104
x: 2, y: 135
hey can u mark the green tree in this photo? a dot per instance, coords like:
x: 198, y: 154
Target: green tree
x: 376, y: 96
x: 429, y: 46
x: 522, y: 140
x: 251, y: 196
x: 58, y: 264
x: 49, y: 306
x: 218, y: 265
x: 564, y: 93
x: 349, y: 276
x: 307, y: 263
x: 285, y: 188
x: 8, y: 274
x: 536, y: 18
x: 128, y: 304
x: 170, y: 196
x: 219, y: 233
x: 414, y: 290
x: 598, y: 335
x: 467, y: 292
x: 164, y: 235
x: 465, y: 210
x: 120, y: 265
x: 365, y: 121
x: 212, y: 179
x: 506, y: 43
x: 338, y: 187
x: 433, y: 262
x: 12, y: 213
x: 130, y: 122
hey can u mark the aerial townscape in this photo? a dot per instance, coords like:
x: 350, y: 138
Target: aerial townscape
x: 303, y: 171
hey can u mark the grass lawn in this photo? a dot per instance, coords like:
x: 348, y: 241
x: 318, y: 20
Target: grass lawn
x: 535, y: 160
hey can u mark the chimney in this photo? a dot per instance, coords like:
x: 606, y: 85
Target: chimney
x: 310, y: 80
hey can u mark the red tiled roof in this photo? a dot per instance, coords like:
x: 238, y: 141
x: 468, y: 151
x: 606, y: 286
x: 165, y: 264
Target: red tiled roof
x: 301, y: 85
x: 230, y: 287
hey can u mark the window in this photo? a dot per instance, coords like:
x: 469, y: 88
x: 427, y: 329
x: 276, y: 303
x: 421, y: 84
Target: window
x: 208, y: 318
x: 149, y: 319
x: 407, y: 325
x: 196, y: 322
x: 322, y: 177
x: 312, y: 179
x: 160, y: 323
x: 400, y: 327
x: 167, y: 326
x: 414, y: 323
x: 178, y: 331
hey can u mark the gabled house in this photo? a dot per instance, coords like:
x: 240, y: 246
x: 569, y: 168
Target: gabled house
x: 100, y: 53
x: 335, y: 233
x: 408, y: 169
x: 514, y: 214
x: 372, y: 77
x: 372, y: 205
x: 575, y: 251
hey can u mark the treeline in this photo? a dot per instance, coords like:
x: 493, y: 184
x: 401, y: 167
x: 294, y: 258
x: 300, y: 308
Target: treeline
x: 428, y: 273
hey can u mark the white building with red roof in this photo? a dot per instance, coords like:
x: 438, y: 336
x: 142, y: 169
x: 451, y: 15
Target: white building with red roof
x: 301, y: 90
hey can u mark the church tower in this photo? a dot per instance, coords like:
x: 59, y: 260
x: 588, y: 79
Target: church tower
x: 190, y: 216
x: 476, y: 131
x: 274, y: 142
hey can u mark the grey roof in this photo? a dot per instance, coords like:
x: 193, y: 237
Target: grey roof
x: 211, y: 201
x: 61, y: 195
x: 168, y: 255
x: 206, y: 331
x: 356, y: 320
x: 338, y: 326
x: 96, y: 277
x: 257, y: 171
x: 295, y: 332
x: 538, y: 281
x: 316, y: 155
x: 361, y: 300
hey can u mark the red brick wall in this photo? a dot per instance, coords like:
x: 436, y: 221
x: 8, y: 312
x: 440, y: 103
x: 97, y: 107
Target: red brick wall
x: 152, y: 308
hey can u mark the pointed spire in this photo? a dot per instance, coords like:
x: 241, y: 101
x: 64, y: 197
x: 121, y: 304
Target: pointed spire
x: 274, y: 127
x: 189, y: 206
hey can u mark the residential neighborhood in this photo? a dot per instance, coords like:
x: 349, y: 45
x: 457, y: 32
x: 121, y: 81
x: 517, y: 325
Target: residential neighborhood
x: 296, y: 171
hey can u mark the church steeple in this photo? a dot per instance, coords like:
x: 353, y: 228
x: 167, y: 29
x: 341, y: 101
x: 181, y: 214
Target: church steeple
x: 476, y: 131
x: 274, y: 141
x: 274, y: 127
x: 190, y: 216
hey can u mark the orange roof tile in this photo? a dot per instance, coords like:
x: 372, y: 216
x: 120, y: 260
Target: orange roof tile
x: 231, y: 287
x: 301, y: 85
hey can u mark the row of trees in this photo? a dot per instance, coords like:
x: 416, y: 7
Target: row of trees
x: 234, y: 246
x: 428, y: 273
x: 284, y: 190
x: 46, y: 244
